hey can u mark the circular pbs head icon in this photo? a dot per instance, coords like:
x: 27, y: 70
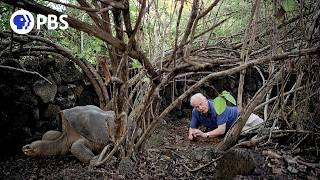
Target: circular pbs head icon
x: 21, y: 22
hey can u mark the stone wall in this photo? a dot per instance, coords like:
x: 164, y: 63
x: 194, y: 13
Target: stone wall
x: 29, y: 104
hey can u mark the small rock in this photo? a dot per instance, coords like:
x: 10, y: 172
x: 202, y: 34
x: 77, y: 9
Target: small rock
x: 45, y: 90
x: 292, y: 169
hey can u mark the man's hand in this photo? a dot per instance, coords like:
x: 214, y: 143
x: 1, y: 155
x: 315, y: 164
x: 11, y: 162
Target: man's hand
x: 193, y: 133
x: 190, y: 137
x: 198, y: 132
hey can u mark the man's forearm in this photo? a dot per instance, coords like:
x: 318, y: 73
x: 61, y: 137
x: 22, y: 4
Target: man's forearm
x: 215, y: 133
x: 190, y: 131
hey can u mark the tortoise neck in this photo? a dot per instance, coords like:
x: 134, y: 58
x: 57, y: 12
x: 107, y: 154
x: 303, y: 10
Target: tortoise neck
x: 54, y: 147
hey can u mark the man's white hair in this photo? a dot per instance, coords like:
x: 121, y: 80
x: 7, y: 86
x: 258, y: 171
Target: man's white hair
x: 197, y: 96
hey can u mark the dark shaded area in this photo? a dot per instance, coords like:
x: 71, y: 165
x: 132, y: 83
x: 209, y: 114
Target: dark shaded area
x: 29, y: 104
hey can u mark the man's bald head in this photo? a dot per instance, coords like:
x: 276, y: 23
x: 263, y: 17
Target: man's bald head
x: 200, y: 102
x: 197, y: 96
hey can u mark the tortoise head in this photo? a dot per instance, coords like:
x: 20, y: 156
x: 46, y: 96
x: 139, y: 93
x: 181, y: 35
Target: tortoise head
x: 33, y: 149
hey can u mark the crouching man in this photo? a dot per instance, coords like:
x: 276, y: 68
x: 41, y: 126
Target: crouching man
x: 204, y: 113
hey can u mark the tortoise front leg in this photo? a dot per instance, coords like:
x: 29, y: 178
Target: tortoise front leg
x: 82, y: 149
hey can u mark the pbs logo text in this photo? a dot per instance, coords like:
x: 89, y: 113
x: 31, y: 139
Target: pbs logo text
x: 22, y: 22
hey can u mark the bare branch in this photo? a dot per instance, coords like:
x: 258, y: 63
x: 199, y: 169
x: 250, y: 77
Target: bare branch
x: 24, y: 71
x: 74, y: 6
x: 113, y: 3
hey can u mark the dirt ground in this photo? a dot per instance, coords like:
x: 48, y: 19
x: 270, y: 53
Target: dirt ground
x: 167, y: 155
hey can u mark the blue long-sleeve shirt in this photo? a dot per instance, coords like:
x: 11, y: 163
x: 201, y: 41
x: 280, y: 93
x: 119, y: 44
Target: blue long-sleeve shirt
x: 211, y: 120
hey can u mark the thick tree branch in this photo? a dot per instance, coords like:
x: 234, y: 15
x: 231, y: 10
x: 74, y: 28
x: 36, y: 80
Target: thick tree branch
x: 88, y: 9
x: 116, y: 4
x: 193, y: 16
x: 93, y: 15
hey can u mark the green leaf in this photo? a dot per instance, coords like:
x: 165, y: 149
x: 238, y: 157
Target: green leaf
x: 136, y: 64
x: 289, y: 5
x: 220, y: 104
x: 229, y: 97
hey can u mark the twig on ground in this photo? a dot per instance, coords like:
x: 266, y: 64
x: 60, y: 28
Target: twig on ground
x: 295, y: 131
x: 300, y: 141
x: 252, y: 142
x: 180, y: 156
x: 312, y: 165
x: 272, y: 154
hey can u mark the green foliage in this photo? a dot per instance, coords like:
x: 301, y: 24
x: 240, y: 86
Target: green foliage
x: 5, y: 13
x: 220, y: 102
x: 228, y: 97
x: 71, y: 39
x: 91, y: 47
x: 289, y: 5
x: 240, y: 11
x: 135, y: 64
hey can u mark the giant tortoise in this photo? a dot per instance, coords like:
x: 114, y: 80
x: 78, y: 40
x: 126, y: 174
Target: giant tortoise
x: 84, y: 131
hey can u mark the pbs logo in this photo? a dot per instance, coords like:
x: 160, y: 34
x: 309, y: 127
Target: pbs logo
x: 22, y: 22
